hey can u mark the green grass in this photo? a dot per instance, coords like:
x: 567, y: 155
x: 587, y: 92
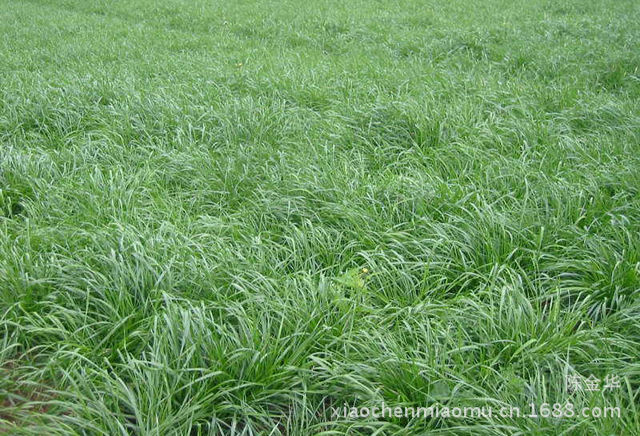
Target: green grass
x: 189, y: 191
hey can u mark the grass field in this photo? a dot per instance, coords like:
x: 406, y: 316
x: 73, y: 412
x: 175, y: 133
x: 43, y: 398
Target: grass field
x: 232, y: 217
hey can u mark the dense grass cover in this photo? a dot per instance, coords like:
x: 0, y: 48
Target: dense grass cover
x: 229, y: 217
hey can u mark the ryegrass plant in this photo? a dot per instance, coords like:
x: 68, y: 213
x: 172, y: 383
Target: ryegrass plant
x: 232, y: 217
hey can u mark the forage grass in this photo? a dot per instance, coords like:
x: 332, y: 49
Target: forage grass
x: 235, y: 217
